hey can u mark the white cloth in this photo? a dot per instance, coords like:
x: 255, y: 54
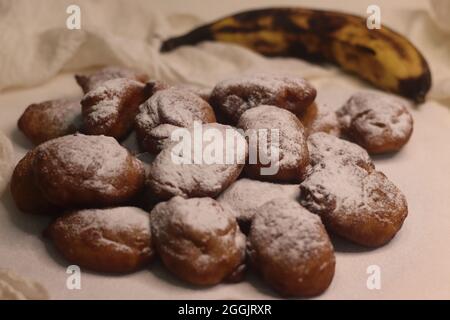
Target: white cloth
x: 36, y: 45
x: 414, y: 265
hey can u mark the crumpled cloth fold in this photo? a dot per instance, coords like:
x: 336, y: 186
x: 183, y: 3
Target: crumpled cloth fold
x: 36, y: 45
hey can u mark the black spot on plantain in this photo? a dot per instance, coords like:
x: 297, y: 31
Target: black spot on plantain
x: 322, y: 23
x: 239, y: 29
x: 196, y: 36
x: 379, y: 34
x: 416, y: 88
x: 365, y: 50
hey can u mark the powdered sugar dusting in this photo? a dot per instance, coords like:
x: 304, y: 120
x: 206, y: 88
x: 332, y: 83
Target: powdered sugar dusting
x: 196, y: 179
x: 325, y: 147
x: 350, y: 190
x: 108, y: 99
x: 115, y: 219
x: 173, y: 106
x: 375, y: 116
x: 91, y: 82
x: 325, y: 120
x: 236, y: 95
x: 98, y: 158
x: 292, y: 143
x: 209, y: 231
x: 245, y: 196
x: 64, y: 113
x: 104, y: 222
x: 343, y: 181
x: 202, y: 214
x: 286, y: 230
x: 166, y: 111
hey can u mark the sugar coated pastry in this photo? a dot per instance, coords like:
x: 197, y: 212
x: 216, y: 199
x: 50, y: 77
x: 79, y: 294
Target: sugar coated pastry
x: 378, y: 122
x: 106, y: 240
x: 325, y: 147
x: 197, y: 239
x: 236, y: 95
x: 92, y: 81
x: 87, y: 171
x: 353, y: 199
x: 245, y: 196
x: 51, y: 119
x: 190, y: 168
x: 166, y: 111
x: 319, y: 117
x: 277, y: 141
x: 289, y: 247
x: 110, y: 108
x: 25, y: 193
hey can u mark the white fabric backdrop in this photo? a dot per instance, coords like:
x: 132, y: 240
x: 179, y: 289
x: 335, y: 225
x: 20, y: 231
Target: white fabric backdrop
x: 36, y: 45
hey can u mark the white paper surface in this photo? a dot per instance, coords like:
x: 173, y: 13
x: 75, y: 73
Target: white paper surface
x: 416, y: 264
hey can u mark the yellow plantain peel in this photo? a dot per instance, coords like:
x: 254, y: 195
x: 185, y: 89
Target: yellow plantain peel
x: 383, y: 57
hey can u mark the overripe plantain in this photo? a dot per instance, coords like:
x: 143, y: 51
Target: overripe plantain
x: 381, y: 56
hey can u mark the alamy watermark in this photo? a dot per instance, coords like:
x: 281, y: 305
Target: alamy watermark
x: 73, y: 281
x: 209, y: 145
x: 73, y: 21
x: 374, y: 19
x: 374, y: 279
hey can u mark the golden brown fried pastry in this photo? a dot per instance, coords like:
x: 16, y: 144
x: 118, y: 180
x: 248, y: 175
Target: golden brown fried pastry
x: 235, y: 96
x: 325, y: 147
x: 176, y: 171
x: 277, y: 140
x: 106, y: 240
x: 289, y: 247
x: 378, y: 122
x: 110, y: 108
x: 27, y: 196
x: 245, y: 196
x: 50, y: 119
x: 320, y: 118
x: 92, y: 81
x: 87, y: 171
x: 353, y: 200
x: 197, y: 239
x: 166, y: 111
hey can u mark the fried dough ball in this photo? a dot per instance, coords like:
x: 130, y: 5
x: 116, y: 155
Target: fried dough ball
x: 353, y: 199
x: 92, y: 81
x: 27, y: 196
x: 324, y: 147
x: 320, y: 118
x: 289, y: 247
x: 365, y: 208
x: 197, y: 239
x: 287, y: 156
x: 176, y: 171
x: 51, y: 119
x: 106, y: 240
x: 245, y: 196
x: 87, y: 171
x: 110, y: 108
x: 378, y: 122
x: 166, y: 111
x: 236, y: 95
